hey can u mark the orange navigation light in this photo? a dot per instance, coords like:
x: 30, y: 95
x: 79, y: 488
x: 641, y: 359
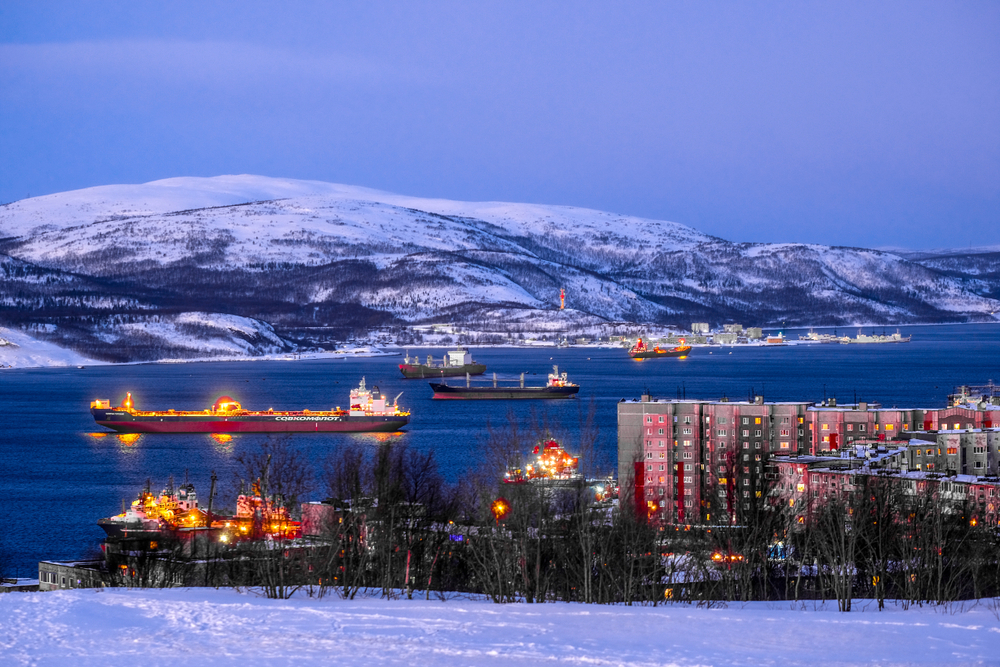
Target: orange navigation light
x: 128, y: 401
x: 500, y: 508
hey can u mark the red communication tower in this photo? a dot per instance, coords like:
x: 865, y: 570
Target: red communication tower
x: 562, y: 298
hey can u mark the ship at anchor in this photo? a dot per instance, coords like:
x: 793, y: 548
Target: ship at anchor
x: 369, y: 412
x: 454, y: 364
x: 641, y: 351
x: 557, y: 386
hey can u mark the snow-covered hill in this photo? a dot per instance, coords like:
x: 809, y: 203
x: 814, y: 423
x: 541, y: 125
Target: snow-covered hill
x: 307, y: 253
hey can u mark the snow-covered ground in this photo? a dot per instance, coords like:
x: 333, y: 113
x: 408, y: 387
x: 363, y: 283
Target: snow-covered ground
x: 20, y: 350
x: 223, y: 627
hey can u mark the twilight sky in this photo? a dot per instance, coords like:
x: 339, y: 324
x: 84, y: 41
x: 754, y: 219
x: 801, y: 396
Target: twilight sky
x: 862, y: 124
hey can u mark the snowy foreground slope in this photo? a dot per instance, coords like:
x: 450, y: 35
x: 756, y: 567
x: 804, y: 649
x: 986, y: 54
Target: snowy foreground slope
x: 303, y: 255
x: 221, y: 627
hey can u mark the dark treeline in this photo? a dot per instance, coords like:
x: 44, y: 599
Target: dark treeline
x: 392, y: 526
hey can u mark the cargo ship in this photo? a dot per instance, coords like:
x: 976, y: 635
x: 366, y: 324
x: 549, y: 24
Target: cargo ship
x: 454, y: 364
x: 558, y: 386
x: 874, y: 339
x: 641, y: 351
x: 369, y: 412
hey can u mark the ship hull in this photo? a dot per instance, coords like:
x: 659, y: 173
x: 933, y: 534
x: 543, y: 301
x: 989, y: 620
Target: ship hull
x: 443, y: 391
x: 422, y: 371
x: 123, y: 422
x: 655, y: 354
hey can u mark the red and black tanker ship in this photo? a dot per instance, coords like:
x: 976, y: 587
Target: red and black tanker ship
x: 641, y: 351
x: 369, y: 412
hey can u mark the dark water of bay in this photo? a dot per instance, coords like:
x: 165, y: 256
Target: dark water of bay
x: 56, y: 480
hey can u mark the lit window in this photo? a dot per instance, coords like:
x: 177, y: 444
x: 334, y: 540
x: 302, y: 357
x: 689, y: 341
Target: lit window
x: 850, y: 427
x: 784, y: 445
x: 757, y: 420
x: 890, y: 427
x: 826, y: 427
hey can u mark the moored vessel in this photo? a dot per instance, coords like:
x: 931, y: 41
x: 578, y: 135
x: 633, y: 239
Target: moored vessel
x: 865, y: 339
x: 552, y: 463
x: 641, y: 351
x: 369, y: 411
x: 454, y: 364
x: 557, y: 386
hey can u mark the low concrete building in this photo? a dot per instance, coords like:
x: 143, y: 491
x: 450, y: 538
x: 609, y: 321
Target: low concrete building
x: 61, y: 575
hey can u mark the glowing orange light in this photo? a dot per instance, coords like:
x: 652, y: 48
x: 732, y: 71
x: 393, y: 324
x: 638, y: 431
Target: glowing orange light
x: 500, y: 508
x: 221, y: 438
x: 129, y: 439
x: 97, y: 435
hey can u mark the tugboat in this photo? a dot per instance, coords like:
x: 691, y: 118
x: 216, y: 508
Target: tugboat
x: 641, y: 351
x: 369, y: 411
x: 175, y: 513
x: 558, y: 386
x: 456, y: 363
x: 552, y: 463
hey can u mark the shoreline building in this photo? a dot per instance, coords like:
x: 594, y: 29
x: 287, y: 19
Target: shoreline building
x: 685, y: 459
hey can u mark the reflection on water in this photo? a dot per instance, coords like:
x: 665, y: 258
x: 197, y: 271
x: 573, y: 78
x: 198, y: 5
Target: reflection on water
x: 102, y: 434
x: 382, y: 438
x: 129, y: 440
x: 223, y: 442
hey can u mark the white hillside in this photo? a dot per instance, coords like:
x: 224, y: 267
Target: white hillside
x: 293, y: 250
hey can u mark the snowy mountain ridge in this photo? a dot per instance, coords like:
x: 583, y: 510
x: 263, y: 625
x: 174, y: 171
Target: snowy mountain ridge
x: 301, y: 254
